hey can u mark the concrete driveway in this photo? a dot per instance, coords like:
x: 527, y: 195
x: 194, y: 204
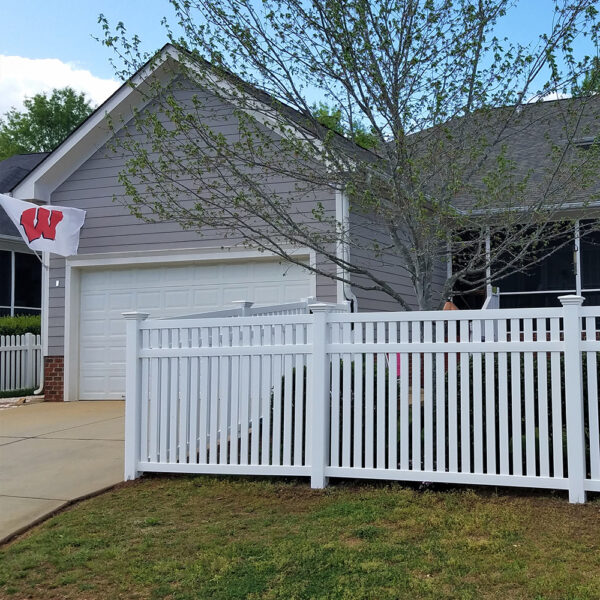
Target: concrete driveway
x: 53, y: 453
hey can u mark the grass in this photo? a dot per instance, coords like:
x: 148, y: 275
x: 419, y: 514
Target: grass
x: 200, y: 537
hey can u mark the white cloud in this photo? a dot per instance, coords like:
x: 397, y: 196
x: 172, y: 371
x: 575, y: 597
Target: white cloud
x: 548, y: 97
x: 20, y: 77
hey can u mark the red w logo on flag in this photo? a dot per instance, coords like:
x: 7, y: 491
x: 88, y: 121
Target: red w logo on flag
x: 40, y: 222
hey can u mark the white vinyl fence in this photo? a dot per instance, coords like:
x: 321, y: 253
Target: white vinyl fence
x: 20, y: 361
x: 496, y: 397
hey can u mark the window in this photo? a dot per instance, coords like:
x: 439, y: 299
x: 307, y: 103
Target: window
x: 557, y: 273
x: 590, y: 259
x: 28, y: 280
x: 20, y: 283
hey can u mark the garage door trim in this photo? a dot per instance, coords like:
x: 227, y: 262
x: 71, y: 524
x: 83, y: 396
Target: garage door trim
x: 76, y: 264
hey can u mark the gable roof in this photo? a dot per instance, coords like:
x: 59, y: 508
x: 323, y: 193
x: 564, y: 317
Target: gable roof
x: 15, y: 168
x: 91, y: 134
x: 94, y: 131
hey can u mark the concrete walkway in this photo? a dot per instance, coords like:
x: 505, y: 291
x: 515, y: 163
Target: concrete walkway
x: 53, y: 453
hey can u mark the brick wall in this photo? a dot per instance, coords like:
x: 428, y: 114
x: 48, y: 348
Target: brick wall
x: 54, y: 378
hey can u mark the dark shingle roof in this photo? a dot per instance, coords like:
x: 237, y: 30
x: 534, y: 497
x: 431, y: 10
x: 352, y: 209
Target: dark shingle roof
x: 13, y: 170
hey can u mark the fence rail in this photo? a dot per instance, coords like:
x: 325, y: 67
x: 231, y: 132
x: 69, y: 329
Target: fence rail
x: 496, y: 397
x: 20, y: 360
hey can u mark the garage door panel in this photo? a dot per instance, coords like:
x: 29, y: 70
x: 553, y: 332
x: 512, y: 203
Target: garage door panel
x: 147, y: 301
x: 120, y: 300
x: 165, y: 291
x: 93, y: 302
x: 209, y: 298
x: 177, y: 299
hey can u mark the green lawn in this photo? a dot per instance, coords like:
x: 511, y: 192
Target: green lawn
x: 199, y: 537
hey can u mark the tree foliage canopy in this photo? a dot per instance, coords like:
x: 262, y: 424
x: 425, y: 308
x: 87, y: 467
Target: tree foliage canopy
x: 425, y: 137
x: 44, y: 123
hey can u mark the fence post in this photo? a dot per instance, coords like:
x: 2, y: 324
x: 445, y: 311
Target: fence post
x: 574, y: 397
x: 29, y: 360
x: 319, y: 397
x: 132, y: 393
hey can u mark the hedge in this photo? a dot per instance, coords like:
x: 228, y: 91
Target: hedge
x: 20, y: 324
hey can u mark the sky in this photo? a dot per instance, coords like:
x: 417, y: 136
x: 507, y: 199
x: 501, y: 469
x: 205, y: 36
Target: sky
x: 47, y: 44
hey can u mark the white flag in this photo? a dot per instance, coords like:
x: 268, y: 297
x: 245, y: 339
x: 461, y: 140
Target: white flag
x: 45, y: 228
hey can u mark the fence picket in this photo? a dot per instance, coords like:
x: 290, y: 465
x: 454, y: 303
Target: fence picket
x: 164, y: 400
x: 144, y: 454
x: 369, y: 392
x: 404, y: 400
x: 542, y: 394
x: 530, y: 454
x: 515, y: 379
x: 225, y: 396
x: 194, y: 398
x: 277, y: 399
x: 503, y: 402
x: 393, y: 401
x: 452, y: 403
x: 266, y: 407
x: 465, y: 400
x: 287, y: 401
x: 428, y: 398
x: 381, y: 390
x: 204, y: 408
x: 173, y: 399
x: 346, y: 398
x: 416, y: 399
x: 334, y: 450
x: 440, y: 399
x: 213, y: 451
x: 477, y: 403
x: 556, y: 391
x: 592, y: 401
x: 245, y: 399
x: 490, y: 402
x: 299, y: 399
x: 255, y: 396
x: 358, y: 397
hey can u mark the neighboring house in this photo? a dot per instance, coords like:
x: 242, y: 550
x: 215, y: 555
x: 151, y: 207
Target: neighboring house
x: 20, y: 269
x: 126, y: 264
x: 569, y: 264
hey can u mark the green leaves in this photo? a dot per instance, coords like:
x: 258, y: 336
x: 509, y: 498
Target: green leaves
x: 46, y: 121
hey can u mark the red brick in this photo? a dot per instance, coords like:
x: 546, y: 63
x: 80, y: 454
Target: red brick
x: 54, y: 378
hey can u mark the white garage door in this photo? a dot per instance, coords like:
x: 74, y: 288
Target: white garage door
x: 165, y: 291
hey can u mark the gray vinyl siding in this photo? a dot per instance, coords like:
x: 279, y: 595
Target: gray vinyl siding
x: 109, y: 227
x: 385, y: 267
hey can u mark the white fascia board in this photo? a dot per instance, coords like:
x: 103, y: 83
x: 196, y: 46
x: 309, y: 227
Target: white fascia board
x: 180, y: 255
x: 89, y: 137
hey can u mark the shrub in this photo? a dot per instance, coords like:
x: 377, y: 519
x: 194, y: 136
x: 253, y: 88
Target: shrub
x: 20, y: 324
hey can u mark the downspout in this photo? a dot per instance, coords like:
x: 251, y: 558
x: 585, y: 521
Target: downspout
x: 44, y: 328
x: 342, y: 250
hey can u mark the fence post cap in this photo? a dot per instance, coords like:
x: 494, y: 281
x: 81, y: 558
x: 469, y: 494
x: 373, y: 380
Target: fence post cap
x: 571, y: 300
x: 243, y: 303
x: 135, y: 315
x: 321, y: 307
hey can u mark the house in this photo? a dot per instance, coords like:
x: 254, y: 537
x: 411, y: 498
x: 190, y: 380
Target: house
x: 125, y: 263
x: 20, y: 269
